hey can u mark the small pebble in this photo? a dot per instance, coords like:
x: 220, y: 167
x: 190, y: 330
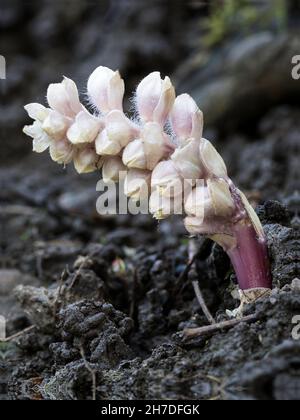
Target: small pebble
x: 295, y: 286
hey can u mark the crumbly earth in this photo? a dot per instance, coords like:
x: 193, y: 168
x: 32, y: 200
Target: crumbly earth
x: 109, y: 298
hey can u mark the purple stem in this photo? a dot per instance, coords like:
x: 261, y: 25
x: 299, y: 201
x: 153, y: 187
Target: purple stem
x: 250, y: 259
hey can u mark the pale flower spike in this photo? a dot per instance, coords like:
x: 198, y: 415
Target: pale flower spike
x: 159, y: 168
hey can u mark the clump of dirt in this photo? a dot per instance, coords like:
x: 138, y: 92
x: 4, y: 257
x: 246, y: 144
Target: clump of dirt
x: 104, y: 302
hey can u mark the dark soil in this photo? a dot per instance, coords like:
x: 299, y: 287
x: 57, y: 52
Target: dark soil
x: 109, y: 298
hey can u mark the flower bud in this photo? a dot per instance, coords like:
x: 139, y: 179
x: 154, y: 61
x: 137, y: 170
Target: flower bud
x: 211, y: 159
x: 186, y: 119
x: 155, y: 98
x: 61, y: 151
x: 118, y: 132
x: 37, y: 111
x: 137, y: 184
x: 187, y: 161
x: 56, y: 125
x: 106, y: 89
x: 166, y: 179
x: 162, y: 207
x: 221, y: 197
x: 63, y: 97
x: 113, y: 169
x: 85, y: 128
x: 86, y: 160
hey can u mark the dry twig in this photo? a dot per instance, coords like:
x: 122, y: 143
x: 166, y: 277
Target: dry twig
x: 193, y: 276
x: 92, y: 372
x: 60, y: 290
x: 17, y: 335
x: 202, y: 303
x: 211, y: 329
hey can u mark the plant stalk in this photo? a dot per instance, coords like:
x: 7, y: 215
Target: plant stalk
x: 250, y: 258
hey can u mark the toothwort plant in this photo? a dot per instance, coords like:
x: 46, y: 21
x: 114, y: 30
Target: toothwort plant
x: 162, y: 151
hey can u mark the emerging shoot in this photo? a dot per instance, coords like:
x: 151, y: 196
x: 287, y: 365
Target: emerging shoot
x: 163, y: 165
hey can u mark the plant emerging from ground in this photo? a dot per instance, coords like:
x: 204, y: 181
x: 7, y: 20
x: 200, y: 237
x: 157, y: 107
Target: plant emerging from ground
x: 161, y: 151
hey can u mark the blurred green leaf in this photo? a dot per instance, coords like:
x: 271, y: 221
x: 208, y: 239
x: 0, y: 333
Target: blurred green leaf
x: 231, y: 17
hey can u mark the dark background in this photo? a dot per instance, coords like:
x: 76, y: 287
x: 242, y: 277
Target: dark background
x: 230, y: 55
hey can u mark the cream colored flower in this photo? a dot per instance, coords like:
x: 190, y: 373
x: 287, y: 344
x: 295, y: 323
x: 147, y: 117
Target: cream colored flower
x: 221, y: 197
x: 113, y: 169
x: 199, y: 204
x: 209, y: 201
x: 106, y: 89
x: 186, y: 119
x: 212, y: 160
x: 134, y: 155
x: 56, y: 125
x: 155, y: 98
x: 186, y: 159
x: 61, y: 151
x: 162, y: 207
x: 137, y: 184
x: 86, y: 160
x: 41, y: 140
x: 85, y: 128
x: 118, y: 132
x: 153, y: 146
x: 63, y: 97
x: 37, y: 111
x: 166, y: 179
x: 196, y: 226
